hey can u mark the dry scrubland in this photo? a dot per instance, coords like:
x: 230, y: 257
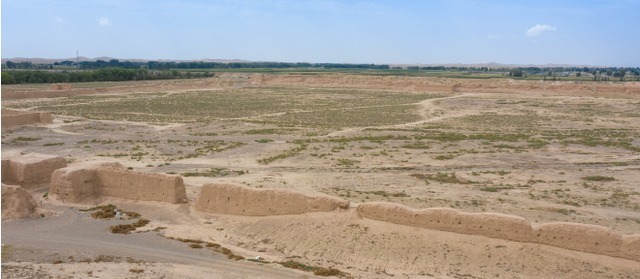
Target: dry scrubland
x: 546, y: 151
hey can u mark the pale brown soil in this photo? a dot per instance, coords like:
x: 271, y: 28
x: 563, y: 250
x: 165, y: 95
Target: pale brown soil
x: 542, y: 184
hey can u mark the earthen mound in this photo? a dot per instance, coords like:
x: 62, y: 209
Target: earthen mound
x: 17, y: 203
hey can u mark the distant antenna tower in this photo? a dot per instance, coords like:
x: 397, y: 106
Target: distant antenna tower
x: 77, y: 59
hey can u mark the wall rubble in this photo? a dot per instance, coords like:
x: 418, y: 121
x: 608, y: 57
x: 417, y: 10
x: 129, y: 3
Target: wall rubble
x: 13, y: 118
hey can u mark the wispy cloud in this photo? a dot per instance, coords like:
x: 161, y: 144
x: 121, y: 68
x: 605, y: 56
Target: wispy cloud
x: 539, y: 29
x: 58, y: 19
x: 104, y: 21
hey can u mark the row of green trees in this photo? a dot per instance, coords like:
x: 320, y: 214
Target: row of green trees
x: 167, y: 65
x: 106, y: 74
x: 162, y: 65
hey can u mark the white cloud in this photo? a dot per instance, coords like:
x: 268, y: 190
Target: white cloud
x: 58, y: 19
x: 539, y: 29
x: 104, y: 21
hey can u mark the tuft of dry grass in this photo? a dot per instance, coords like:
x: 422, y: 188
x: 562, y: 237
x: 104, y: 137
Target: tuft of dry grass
x: 128, y: 228
x: 103, y: 211
x: 198, y: 244
x: 316, y: 270
x: 109, y: 212
x: 442, y: 178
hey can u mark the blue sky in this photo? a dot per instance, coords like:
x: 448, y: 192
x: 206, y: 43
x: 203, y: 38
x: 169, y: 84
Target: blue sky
x: 587, y: 32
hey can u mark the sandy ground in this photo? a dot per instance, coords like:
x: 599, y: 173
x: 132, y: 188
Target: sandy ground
x: 71, y: 243
x: 591, y: 130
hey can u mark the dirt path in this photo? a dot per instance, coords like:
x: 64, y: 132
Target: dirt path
x: 73, y: 233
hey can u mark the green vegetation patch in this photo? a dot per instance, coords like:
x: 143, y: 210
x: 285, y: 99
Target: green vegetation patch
x: 214, y: 172
x: 27, y: 139
x: 269, y: 131
x: 286, y: 154
x: 53, y: 143
x: 283, y: 106
x: 349, y: 117
x: 451, y: 178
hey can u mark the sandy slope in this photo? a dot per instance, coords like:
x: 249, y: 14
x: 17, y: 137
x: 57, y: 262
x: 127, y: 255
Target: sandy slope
x: 362, y: 247
x: 73, y: 238
x: 368, y: 248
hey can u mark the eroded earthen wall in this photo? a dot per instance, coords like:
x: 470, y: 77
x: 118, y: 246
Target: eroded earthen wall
x: 73, y: 184
x: 631, y: 246
x: 238, y: 200
x: 580, y: 237
x: 7, y: 175
x: 85, y: 183
x: 126, y: 184
x: 31, y: 170
x: 13, y: 118
x: 574, y: 236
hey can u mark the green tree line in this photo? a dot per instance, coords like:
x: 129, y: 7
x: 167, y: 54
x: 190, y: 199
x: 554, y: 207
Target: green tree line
x: 106, y: 74
x: 166, y: 65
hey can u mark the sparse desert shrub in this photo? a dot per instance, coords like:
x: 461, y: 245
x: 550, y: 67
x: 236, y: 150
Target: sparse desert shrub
x: 442, y: 178
x: 286, y: 154
x: 496, y: 188
x: 214, y: 172
x: 416, y: 145
x: 347, y: 162
x: 103, y: 211
x: 212, y: 245
x: 599, y: 178
x: 27, y: 139
x: 445, y: 157
x: 53, y: 143
x: 316, y: 270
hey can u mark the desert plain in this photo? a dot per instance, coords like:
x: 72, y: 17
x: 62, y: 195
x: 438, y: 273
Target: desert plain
x: 546, y: 151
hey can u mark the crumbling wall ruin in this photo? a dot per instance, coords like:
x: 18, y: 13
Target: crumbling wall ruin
x: 17, y: 202
x: 13, y: 118
x: 31, y: 170
x: 574, y: 236
x: 85, y: 183
x: 238, y: 200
